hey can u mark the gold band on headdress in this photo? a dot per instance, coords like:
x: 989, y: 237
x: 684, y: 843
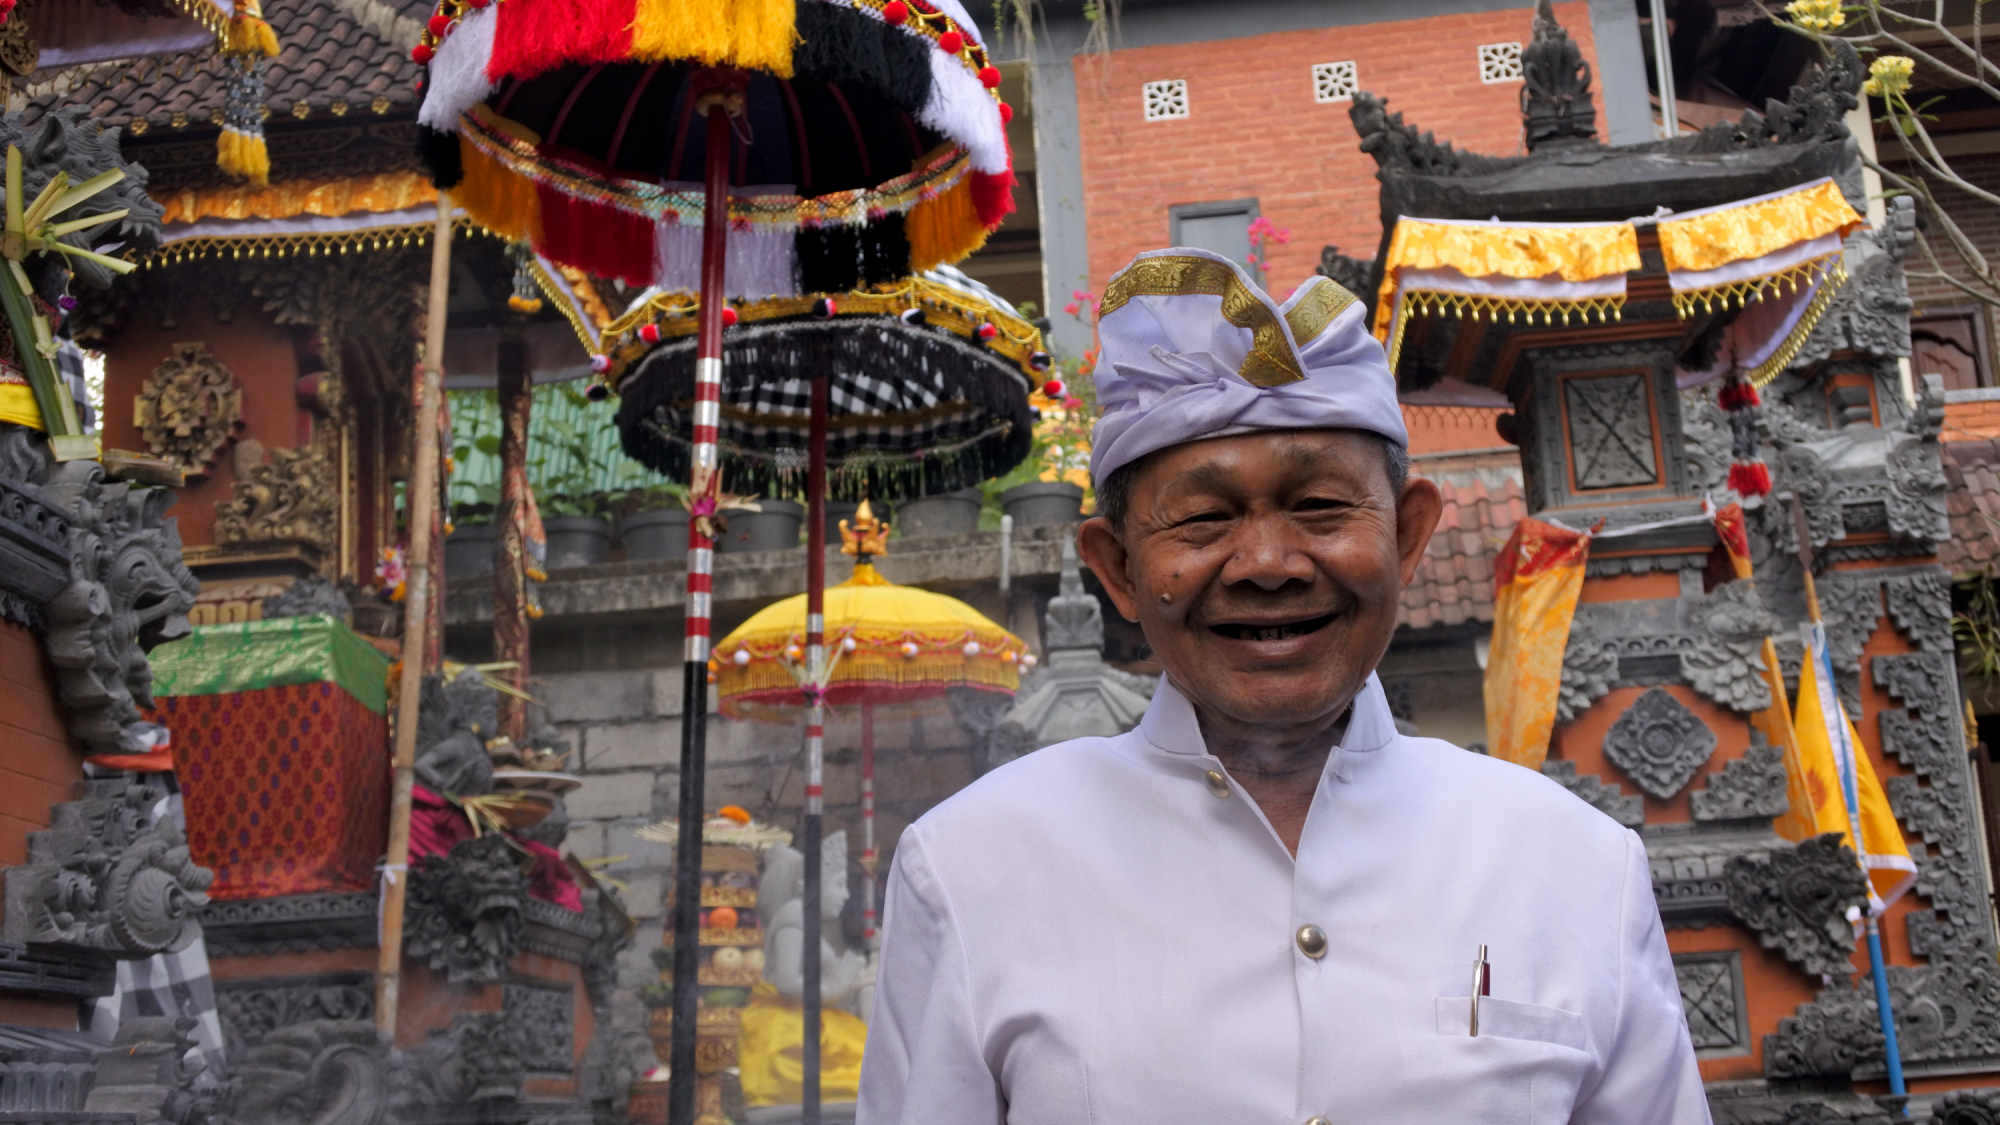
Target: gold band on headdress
x: 1323, y: 301
x: 1271, y: 361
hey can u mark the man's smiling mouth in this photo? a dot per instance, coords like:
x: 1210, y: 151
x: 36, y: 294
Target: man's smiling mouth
x: 1280, y: 631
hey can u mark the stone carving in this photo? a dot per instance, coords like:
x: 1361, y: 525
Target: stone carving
x: 1935, y: 804
x: 325, y: 1071
x: 1590, y: 664
x: 1796, y: 901
x: 453, y: 724
x: 307, y: 597
x: 615, y: 934
x: 1555, y: 93
x: 1597, y: 793
x: 1967, y: 1107
x: 251, y: 1010
x: 546, y: 1014
x: 464, y: 911
x: 1725, y: 662
x: 1075, y: 694
x: 147, y: 1072
x: 1870, y: 314
x: 476, y: 1059
x: 289, y: 499
x: 1949, y: 1009
x: 1926, y: 420
x: 74, y: 140
x: 781, y: 906
x: 289, y: 924
x: 34, y: 556
x: 1920, y: 605
x: 123, y: 588
x: 1074, y: 619
x: 1915, y: 496
x: 1659, y: 743
x: 106, y: 874
x: 190, y: 409
x: 1750, y: 786
x: 1798, y: 470
x: 1395, y: 144
x: 1710, y: 988
x: 1352, y: 274
x: 1706, y: 438
x: 1610, y: 431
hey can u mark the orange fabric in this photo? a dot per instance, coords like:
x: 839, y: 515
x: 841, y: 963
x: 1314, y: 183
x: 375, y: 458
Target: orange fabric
x: 1537, y: 579
x: 389, y: 191
x: 1773, y: 722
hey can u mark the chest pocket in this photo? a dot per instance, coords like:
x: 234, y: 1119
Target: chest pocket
x: 1510, y: 1020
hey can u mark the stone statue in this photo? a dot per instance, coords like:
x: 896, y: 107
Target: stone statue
x: 781, y: 905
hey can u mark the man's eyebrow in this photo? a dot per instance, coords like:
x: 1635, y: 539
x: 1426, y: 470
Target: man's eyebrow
x: 1207, y: 475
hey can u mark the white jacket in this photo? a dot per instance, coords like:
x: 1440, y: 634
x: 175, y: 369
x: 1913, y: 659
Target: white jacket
x: 1090, y: 934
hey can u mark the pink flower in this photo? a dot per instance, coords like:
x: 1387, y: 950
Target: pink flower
x: 1072, y: 308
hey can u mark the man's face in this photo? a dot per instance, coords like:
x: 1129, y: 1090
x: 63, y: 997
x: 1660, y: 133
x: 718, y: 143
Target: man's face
x: 1265, y: 569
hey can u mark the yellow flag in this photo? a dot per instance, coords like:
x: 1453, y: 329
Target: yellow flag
x: 1827, y: 742
x: 1536, y: 581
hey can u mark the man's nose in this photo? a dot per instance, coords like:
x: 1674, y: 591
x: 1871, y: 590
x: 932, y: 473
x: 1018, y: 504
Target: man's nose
x: 1268, y: 555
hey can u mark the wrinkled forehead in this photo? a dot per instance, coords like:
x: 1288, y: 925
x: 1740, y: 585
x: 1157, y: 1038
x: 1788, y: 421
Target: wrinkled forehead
x: 1269, y: 460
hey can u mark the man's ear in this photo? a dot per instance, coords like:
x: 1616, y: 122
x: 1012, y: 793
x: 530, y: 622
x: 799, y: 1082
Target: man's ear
x: 1417, y: 512
x: 1104, y: 553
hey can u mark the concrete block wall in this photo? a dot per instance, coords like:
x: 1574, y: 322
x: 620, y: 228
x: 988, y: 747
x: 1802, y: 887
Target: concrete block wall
x: 624, y: 727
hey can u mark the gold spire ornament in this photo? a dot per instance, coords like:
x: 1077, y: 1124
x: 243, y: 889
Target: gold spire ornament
x: 866, y: 536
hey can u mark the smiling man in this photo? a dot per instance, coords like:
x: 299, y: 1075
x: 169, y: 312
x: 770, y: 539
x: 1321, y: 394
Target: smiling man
x: 1265, y: 906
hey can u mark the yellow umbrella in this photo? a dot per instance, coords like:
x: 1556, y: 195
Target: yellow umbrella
x: 889, y: 644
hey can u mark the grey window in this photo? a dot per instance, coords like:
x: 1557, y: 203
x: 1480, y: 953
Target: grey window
x: 1222, y: 227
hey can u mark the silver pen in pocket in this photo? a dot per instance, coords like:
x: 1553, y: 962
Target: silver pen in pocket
x: 1481, y: 986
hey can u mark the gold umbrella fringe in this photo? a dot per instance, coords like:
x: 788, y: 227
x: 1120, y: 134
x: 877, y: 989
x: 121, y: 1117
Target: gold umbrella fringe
x: 240, y: 247
x: 1740, y: 294
x: 1513, y: 310
x: 1803, y: 330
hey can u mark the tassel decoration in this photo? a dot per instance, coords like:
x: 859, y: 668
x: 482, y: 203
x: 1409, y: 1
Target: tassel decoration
x: 1749, y: 476
x: 606, y: 241
x: 750, y: 34
x: 838, y: 44
x: 246, y: 43
x: 829, y: 259
x: 532, y: 36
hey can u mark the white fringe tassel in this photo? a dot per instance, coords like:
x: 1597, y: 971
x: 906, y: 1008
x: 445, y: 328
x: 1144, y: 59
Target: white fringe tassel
x: 761, y: 263
x: 961, y: 109
x: 458, y: 73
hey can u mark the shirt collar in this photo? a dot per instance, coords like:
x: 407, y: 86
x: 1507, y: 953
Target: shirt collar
x: 1170, y: 725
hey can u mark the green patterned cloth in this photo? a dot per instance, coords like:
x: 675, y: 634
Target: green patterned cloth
x: 248, y: 655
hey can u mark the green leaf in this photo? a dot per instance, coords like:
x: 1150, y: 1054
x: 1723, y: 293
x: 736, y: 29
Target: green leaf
x: 488, y: 444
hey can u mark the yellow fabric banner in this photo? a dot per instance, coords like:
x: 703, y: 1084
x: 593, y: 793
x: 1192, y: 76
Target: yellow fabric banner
x: 1536, y: 581
x: 772, y: 1060
x: 1716, y: 237
x: 1827, y: 741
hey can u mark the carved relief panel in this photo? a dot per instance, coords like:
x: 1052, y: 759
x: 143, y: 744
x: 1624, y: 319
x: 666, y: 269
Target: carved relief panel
x: 190, y: 409
x: 1601, y: 425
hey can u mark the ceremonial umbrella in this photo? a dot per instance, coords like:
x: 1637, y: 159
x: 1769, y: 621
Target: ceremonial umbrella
x: 891, y: 644
x: 813, y: 145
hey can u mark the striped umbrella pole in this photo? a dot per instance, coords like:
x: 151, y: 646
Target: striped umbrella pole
x: 815, y: 736
x: 700, y: 583
x: 868, y: 824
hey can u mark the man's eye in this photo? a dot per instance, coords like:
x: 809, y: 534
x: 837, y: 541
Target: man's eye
x: 1208, y: 516
x: 1321, y: 504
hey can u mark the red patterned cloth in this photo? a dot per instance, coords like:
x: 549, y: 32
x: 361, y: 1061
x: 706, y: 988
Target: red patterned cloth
x: 286, y: 788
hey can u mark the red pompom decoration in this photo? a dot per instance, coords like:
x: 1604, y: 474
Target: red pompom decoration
x: 1737, y: 395
x: 422, y: 54
x: 825, y: 307
x: 989, y: 77
x: 895, y: 11
x: 1053, y: 388
x: 951, y: 42
x: 440, y: 24
x: 650, y: 333
x: 1006, y: 113
x: 986, y: 331
x: 600, y: 363
x: 728, y: 317
x: 1750, y: 478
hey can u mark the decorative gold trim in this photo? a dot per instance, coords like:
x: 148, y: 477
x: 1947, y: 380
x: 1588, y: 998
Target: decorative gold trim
x: 1426, y: 302
x: 1782, y: 358
x: 1271, y: 361
x: 1738, y: 294
x: 1324, y: 300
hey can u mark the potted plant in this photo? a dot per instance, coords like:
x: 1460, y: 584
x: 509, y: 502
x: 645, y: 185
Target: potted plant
x: 655, y: 524
x: 773, y: 525
x: 468, y: 547
x: 949, y: 513
x: 568, y: 478
x: 1052, y: 485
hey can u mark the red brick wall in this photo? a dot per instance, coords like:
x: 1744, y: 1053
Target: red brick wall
x: 40, y: 766
x: 1253, y: 128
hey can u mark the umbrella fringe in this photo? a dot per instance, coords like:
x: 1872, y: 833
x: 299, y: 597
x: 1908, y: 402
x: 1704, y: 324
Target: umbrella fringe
x: 839, y: 44
x: 945, y: 227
